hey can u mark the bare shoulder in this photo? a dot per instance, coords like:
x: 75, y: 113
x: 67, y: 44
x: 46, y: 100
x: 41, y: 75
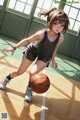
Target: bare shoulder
x: 39, y: 35
x: 61, y: 39
x: 36, y: 36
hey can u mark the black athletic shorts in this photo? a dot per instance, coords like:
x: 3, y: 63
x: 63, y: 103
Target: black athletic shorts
x: 31, y: 52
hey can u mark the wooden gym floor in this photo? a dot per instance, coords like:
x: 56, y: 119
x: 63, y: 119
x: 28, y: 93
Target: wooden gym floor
x: 60, y: 102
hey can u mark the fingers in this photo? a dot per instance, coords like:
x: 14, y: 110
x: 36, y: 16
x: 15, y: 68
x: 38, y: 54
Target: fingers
x: 12, y: 53
x: 55, y: 65
x: 8, y: 50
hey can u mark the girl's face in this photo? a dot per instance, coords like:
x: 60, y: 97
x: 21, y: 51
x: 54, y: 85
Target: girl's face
x: 58, y: 27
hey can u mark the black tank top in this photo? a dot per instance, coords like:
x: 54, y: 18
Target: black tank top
x: 45, y: 47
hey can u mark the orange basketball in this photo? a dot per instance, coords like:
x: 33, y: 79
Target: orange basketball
x: 39, y: 83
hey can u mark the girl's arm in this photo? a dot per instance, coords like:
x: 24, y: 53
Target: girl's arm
x: 35, y: 37
x: 55, y: 51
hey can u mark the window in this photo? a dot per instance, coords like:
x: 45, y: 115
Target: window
x: 23, y: 6
x: 45, y: 5
x: 1, y: 2
x: 72, y: 9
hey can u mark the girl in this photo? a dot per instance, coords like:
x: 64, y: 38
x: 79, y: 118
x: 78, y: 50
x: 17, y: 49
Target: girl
x: 45, y: 49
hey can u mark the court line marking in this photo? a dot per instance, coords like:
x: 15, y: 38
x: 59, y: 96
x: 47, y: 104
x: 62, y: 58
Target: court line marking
x: 42, y: 117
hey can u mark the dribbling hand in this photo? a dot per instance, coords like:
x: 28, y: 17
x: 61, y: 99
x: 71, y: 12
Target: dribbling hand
x: 54, y: 64
x: 8, y: 50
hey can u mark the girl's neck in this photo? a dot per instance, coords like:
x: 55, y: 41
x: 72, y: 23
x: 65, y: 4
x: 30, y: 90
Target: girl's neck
x: 52, y: 33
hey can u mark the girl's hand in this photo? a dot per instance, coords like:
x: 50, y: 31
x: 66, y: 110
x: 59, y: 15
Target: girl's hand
x: 54, y: 64
x: 11, y: 49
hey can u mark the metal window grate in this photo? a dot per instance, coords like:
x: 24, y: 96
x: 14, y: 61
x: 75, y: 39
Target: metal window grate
x: 72, y: 8
x: 23, y: 6
x: 45, y: 5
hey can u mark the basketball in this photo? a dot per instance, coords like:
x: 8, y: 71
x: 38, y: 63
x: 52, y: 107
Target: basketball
x: 39, y: 83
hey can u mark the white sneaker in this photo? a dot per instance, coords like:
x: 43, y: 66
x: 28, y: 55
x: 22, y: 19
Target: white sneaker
x: 28, y: 96
x: 4, y: 83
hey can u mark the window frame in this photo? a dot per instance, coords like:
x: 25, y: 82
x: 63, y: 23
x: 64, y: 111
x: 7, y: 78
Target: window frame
x: 72, y: 31
x: 13, y: 10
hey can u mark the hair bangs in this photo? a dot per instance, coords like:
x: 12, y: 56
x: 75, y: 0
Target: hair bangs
x: 60, y: 18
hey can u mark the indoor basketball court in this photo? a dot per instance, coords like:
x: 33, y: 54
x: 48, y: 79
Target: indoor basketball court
x: 60, y: 102
x: 21, y: 19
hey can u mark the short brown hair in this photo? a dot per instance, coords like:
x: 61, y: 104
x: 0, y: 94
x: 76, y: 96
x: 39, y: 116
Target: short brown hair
x: 54, y: 15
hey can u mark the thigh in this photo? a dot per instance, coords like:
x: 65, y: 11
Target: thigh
x: 25, y: 63
x: 38, y: 66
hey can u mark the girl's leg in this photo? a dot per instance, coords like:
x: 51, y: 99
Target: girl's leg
x: 39, y: 66
x: 22, y: 68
